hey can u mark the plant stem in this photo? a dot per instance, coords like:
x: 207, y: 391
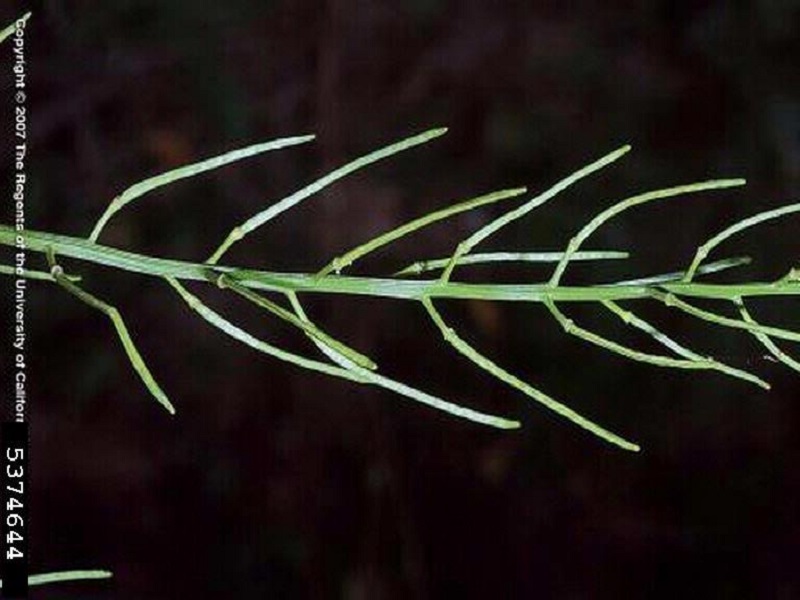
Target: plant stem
x: 81, y: 249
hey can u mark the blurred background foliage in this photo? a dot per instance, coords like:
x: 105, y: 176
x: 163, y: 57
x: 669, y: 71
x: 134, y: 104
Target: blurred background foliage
x: 273, y: 482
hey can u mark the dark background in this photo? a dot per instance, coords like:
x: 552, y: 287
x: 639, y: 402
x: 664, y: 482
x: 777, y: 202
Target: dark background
x: 274, y: 482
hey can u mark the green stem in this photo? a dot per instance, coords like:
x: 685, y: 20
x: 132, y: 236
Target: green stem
x: 81, y: 249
